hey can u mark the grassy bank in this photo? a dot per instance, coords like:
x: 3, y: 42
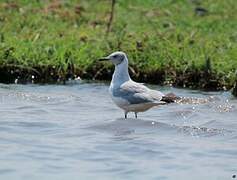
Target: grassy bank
x: 189, y: 43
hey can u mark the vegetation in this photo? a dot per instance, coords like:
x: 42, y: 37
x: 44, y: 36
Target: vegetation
x: 189, y: 43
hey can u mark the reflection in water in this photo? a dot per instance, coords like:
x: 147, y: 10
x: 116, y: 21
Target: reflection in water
x: 135, y: 126
x: 65, y: 132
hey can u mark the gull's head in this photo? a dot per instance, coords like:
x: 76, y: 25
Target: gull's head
x: 116, y: 58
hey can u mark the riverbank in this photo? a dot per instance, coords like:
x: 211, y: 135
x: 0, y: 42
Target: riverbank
x: 184, y: 43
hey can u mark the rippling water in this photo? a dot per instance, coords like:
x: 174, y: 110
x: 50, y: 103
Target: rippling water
x: 76, y: 132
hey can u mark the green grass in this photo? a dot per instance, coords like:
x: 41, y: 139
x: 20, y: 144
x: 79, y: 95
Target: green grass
x: 166, y: 40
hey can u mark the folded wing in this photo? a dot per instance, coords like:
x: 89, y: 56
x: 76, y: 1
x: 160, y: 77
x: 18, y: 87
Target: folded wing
x: 136, y: 93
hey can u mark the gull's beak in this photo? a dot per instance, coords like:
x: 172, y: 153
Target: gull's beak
x: 104, y: 59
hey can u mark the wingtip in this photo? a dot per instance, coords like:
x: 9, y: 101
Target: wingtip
x: 170, y: 98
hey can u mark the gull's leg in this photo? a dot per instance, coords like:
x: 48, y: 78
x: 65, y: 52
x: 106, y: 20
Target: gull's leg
x: 135, y: 115
x: 125, y: 114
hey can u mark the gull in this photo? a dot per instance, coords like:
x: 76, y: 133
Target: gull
x: 130, y: 95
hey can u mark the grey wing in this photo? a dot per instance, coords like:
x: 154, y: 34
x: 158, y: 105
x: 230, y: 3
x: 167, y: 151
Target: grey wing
x: 156, y: 95
x: 136, y: 93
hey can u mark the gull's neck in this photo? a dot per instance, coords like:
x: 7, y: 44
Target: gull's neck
x: 121, y: 74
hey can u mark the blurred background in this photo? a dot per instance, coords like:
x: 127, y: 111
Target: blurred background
x: 187, y: 43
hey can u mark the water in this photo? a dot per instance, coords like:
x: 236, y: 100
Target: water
x: 76, y: 132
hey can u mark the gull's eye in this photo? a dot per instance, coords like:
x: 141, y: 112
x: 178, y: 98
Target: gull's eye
x: 115, y: 56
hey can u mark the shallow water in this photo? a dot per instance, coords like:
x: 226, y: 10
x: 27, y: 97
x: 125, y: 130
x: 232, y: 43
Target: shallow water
x: 76, y: 132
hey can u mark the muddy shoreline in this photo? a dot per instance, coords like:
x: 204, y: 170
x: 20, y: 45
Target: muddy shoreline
x: 203, y: 80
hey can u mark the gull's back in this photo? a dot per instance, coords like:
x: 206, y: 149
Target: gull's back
x: 133, y: 96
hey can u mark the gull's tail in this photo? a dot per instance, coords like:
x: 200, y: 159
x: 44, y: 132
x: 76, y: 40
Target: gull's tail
x: 170, y: 98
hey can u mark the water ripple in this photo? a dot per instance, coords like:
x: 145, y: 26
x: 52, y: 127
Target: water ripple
x: 66, y: 132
